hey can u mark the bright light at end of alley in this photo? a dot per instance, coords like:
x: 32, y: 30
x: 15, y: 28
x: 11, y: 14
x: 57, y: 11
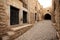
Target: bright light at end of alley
x: 45, y: 3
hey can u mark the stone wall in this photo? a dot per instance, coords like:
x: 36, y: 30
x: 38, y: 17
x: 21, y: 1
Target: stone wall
x: 34, y: 7
x: 31, y: 9
x: 3, y: 19
x: 56, y: 11
x: 5, y: 27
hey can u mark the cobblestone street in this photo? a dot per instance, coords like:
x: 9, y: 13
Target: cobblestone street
x: 42, y: 30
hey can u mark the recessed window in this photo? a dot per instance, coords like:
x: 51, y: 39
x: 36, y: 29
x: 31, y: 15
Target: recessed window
x: 24, y: 17
x: 14, y: 15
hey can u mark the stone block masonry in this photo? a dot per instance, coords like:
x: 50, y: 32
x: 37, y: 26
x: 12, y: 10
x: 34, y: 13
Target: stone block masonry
x: 3, y: 19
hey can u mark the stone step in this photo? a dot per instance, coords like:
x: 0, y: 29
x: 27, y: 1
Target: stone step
x: 17, y: 28
x: 18, y: 31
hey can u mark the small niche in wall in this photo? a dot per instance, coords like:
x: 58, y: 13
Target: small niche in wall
x: 14, y: 15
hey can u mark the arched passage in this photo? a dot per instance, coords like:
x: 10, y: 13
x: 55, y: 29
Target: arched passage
x: 47, y: 17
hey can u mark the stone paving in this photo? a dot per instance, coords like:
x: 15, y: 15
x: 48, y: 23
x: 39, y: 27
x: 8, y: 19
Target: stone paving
x: 41, y: 31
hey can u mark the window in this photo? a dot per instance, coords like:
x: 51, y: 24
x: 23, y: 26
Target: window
x: 14, y: 15
x: 24, y: 17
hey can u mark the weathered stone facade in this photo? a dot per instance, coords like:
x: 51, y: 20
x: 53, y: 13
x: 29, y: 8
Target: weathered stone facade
x: 56, y: 14
x: 34, y: 10
x: 7, y: 7
x: 3, y: 18
x: 46, y: 11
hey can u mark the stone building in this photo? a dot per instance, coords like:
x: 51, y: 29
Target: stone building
x: 17, y: 16
x: 39, y: 12
x: 56, y: 14
x: 34, y: 10
x: 47, y: 13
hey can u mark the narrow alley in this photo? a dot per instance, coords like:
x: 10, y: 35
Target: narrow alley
x: 29, y: 19
x: 43, y: 30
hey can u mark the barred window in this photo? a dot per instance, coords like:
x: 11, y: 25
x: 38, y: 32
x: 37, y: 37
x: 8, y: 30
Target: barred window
x: 14, y: 15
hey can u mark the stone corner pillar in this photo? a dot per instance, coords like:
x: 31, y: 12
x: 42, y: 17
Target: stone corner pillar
x: 3, y: 19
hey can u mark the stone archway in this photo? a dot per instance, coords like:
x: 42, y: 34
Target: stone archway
x: 47, y: 17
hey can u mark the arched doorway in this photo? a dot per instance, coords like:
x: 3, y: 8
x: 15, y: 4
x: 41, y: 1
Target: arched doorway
x: 47, y: 17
